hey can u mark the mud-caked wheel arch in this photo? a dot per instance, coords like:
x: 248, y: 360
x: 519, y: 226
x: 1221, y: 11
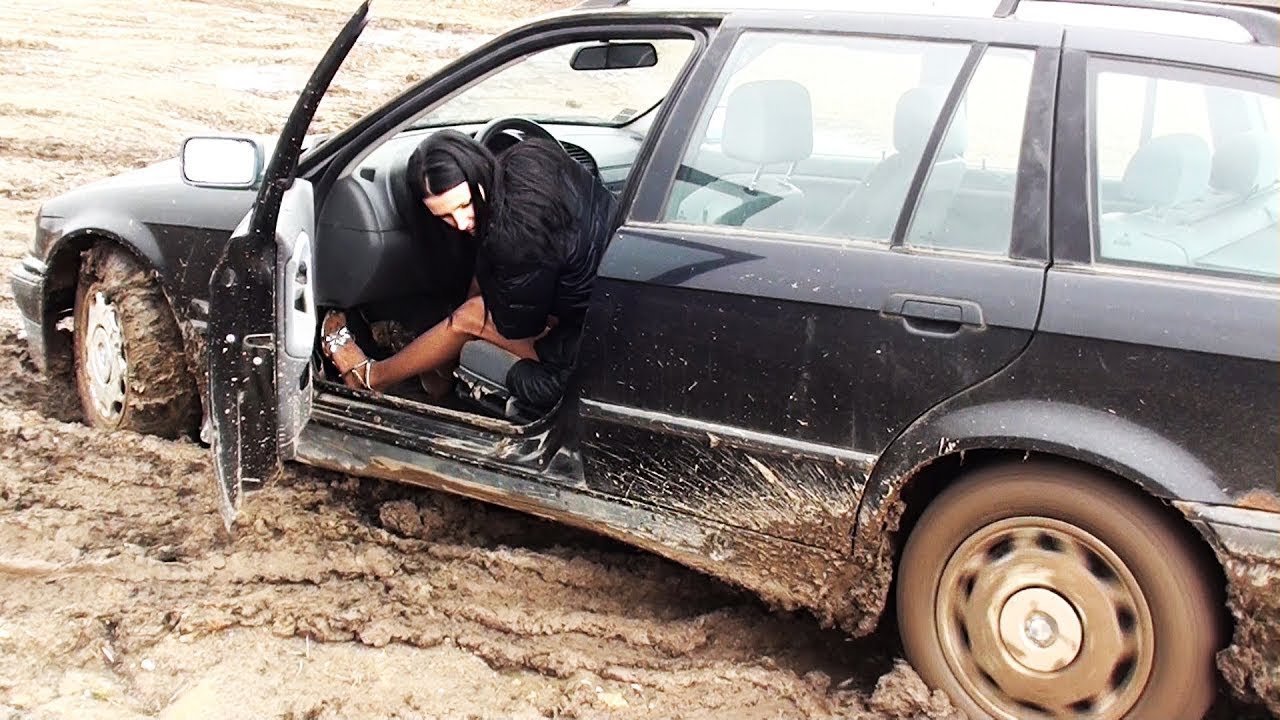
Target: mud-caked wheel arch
x: 1037, y: 590
x: 130, y: 366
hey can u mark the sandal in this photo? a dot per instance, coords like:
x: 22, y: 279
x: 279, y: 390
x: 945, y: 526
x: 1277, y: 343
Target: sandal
x: 337, y: 341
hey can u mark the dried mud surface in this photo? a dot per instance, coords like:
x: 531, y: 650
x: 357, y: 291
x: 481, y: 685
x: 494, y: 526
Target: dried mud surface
x: 121, y: 595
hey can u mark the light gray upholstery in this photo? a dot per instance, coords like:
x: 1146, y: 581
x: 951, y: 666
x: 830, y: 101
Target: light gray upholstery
x: 1244, y: 164
x: 1168, y: 170
x: 487, y: 361
x: 871, y: 211
x: 769, y: 121
x: 766, y: 122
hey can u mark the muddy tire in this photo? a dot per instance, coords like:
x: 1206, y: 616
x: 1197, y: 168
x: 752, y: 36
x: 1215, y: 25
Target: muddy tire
x: 1039, y: 590
x: 130, y: 364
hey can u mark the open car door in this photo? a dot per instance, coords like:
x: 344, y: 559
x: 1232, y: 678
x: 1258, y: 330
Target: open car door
x: 262, y: 315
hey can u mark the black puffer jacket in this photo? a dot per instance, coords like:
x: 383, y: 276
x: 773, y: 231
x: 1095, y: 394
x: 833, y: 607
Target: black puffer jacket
x: 549, y: 222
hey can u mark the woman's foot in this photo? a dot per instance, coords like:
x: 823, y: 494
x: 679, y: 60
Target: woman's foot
x: 353, y: 365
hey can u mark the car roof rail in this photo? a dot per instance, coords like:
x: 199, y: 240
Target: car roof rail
x: 599, y: 4
x: 1263, y: 25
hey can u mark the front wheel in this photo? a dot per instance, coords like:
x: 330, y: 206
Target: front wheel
x: 130, y: 364
x: 1038, y: 590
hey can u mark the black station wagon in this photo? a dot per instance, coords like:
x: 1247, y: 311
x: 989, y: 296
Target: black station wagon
x: 965, y: 315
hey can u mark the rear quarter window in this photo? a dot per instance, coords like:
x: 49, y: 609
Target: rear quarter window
x: 1184, y: 168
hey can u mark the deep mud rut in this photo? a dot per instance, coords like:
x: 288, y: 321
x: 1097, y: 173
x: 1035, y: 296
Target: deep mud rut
x: 122, y: 596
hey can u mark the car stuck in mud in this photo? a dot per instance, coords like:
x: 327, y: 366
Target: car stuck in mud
x: 947, y: 345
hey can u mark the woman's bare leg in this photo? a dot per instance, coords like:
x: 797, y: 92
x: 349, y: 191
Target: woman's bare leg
x: 439, y: 347
x: 434, y: 351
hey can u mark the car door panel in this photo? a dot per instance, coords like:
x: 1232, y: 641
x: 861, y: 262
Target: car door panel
x: 774, y: 336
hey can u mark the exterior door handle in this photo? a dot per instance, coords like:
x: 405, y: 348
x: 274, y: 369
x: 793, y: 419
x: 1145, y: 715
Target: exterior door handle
x: 933, y: 316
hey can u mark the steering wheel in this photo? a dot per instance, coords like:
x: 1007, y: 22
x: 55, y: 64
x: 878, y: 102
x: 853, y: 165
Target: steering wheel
x: 506, y: 128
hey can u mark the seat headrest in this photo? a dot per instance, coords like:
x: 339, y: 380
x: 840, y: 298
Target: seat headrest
x: 916, y: 114
x: 1167, y: 170
x: 769, y: 121
x: 1244, y: 164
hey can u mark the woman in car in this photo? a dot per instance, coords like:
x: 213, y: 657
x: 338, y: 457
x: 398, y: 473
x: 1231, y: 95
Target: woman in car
x: 540, y: 221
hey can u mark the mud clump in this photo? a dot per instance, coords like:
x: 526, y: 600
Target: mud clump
x: 1251, y: 664
x: 902, y: 695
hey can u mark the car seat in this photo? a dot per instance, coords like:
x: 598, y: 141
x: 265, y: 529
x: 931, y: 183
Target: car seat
x: 766, y: 122
x: 1165, y: 174
x: 872, y: 209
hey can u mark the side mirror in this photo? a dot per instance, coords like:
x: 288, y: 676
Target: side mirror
x: 615, y: 56
x: 222, y: 162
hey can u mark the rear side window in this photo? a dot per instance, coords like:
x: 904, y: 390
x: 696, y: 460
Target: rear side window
x: 814, y: 135
x: 1184, y: 167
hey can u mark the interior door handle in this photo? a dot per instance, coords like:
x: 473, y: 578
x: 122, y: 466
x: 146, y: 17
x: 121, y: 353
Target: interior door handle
x: 926, y: 315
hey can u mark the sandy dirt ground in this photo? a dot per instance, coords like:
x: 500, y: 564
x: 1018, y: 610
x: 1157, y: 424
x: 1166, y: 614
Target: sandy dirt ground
x: 121, y: 596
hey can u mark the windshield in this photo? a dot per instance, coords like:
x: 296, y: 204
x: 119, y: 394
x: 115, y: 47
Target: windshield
x: 546, y: 88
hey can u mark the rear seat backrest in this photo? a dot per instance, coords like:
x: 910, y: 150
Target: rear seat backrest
x: 1245, y: 164
x: 1166, y: 172
x: 871, y: 210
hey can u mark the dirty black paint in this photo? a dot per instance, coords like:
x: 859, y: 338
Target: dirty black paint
x: 793, y: 338
x: 807, y: 498
x: 242, y: 368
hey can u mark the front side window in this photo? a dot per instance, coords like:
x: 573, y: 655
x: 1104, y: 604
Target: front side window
x: 815, y: 135
x: 1184, y: 167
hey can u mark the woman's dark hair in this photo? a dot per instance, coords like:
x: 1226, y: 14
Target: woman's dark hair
x: 447, y: 158
x: 535, y: 191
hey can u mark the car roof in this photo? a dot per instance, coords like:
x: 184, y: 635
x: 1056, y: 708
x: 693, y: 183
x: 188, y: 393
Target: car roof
x: 1240, y: 21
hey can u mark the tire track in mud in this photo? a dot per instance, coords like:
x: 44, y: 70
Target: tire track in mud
x: 113, y: 540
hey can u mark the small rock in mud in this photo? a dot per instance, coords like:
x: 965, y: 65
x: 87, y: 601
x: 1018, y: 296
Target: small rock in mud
x: 902, y: 695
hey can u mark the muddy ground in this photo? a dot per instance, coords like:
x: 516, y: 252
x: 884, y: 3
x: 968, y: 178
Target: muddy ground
x: 121, y: 596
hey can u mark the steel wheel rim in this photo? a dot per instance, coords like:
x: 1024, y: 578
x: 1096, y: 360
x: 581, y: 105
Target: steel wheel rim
x: 1038, y: 618
x: 105, y: 365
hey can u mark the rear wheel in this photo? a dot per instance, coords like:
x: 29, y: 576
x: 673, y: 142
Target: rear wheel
x: 130, y: 364
x: 1044, y: 591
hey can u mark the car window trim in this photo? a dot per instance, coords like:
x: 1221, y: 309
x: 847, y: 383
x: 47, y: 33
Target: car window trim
x: 1070, y: 211
x: 1033, y: 195
x: 684, y: 229
x: 1214, y: 55
x: 929, y: 28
